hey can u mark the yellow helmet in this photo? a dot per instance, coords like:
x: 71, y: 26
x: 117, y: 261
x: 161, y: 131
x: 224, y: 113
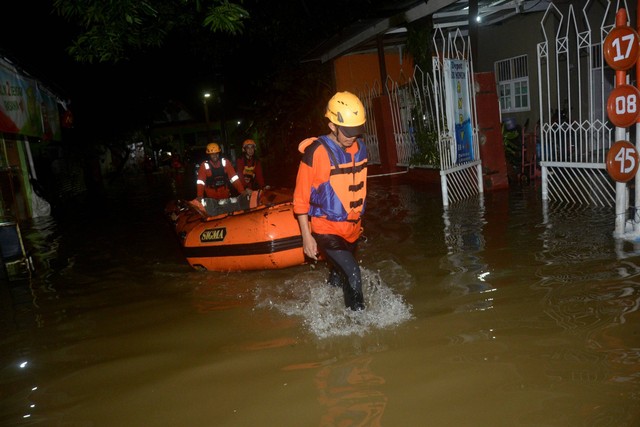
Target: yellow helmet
x: 248, y: 142
x: 213, y: 148
x: 346, y: 110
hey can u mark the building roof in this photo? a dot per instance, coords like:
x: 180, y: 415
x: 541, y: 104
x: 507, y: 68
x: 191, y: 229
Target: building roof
x: 364, y: 35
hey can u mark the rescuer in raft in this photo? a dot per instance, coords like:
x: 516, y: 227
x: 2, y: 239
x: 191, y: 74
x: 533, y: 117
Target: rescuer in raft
x: 329, y: 197
x: 216, y: 176
x: 249, y: 167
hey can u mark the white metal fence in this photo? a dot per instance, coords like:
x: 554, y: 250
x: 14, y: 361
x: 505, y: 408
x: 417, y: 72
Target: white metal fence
x: 371, y: 134
x: 403, y: 107
x: 576, y: 134
x: 424, y: 126
x: 459, y: 178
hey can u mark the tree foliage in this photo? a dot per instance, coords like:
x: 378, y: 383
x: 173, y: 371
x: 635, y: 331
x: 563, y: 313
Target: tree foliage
x: 419, y: 42
x: 113, y: 30
x: 256, y: 50
x: 290, y: 109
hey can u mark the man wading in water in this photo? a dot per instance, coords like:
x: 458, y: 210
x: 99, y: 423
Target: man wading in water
x: 330, y: 193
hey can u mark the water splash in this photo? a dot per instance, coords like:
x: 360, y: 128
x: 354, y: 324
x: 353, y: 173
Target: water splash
x: 322, y: 309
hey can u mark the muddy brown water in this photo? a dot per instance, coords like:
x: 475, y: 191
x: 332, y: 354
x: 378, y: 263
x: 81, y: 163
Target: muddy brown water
x: 499, y: 311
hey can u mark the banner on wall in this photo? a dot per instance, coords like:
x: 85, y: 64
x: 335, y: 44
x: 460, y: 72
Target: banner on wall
x: 26, y: 108
x: 456, y: 72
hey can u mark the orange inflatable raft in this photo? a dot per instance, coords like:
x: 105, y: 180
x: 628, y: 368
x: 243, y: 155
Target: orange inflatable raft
x: 256, y: 233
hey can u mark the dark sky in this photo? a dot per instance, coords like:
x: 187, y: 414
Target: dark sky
x: 106, y: 95
x: 35, y: 38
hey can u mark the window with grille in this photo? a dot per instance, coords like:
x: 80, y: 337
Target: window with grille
x: 512, y: 77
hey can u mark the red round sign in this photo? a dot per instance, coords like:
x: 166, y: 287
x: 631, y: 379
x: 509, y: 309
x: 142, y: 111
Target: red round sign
x: 622, y: 105
x: 622, y: 161
x: 621, y: 48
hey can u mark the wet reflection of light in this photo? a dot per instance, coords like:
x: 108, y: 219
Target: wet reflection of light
x: 32, y: 405
x: 23, y: 365
x: 474, y: 337
x: 488, y: 305
x: 466, y: 245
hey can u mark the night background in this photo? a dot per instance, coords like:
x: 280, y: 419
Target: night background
x: 262, y: 71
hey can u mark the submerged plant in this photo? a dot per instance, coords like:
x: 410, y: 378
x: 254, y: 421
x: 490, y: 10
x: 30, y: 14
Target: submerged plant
x: 424, y: 137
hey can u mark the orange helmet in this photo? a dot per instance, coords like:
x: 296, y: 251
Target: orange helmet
x: 248, y: 142
x: 213, y: 148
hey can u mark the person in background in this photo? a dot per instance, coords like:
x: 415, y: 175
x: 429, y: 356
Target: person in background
x: 178, y: 169
x: 249, y: 168
x: 330, y: 193
x: 216, y: 176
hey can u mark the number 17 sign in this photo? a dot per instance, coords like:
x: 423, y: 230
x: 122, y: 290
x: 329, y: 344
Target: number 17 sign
x: 621, y: 48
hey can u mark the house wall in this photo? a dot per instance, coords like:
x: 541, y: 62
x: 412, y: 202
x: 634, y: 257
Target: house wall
x: 521, y: 34
x: 514, y: 37
x: 360, y: 72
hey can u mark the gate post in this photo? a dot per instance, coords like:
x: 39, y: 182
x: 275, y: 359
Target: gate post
x: 386, y: 139
x: 490, y: 133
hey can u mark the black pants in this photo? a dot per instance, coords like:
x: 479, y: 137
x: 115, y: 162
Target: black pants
x: 344, y: 270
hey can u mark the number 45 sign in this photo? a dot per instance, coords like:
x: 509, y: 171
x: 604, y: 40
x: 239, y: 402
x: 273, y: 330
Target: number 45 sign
x: 622, y: 161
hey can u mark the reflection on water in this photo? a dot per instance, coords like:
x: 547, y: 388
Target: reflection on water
x: 350, y: 393
x: 500, y: 310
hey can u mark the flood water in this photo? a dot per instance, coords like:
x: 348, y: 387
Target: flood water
x: 499, y: 311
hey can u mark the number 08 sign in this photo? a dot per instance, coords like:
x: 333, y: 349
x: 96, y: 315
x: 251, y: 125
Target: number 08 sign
x: 622, y: 161
x: 622, y: 105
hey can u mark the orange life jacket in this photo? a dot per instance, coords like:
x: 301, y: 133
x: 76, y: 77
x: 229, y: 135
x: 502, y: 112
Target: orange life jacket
x: 342, y: 198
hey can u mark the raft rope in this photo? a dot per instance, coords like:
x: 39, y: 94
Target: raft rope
x: 388, y: 174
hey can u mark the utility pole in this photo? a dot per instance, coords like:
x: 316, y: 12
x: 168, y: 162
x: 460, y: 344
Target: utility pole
x: 205, y: 102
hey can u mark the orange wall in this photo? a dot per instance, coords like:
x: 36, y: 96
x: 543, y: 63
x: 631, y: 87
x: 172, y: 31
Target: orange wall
x: 360, y: 72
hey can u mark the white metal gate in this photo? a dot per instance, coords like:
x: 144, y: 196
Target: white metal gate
x: 427, y: 123
x: 575, y: 135
x: 461, y: 176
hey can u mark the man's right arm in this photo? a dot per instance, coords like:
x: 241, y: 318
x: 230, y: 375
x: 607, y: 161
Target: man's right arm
x: 301, y: 205
x: 200, y: 182
x: 309, y: 245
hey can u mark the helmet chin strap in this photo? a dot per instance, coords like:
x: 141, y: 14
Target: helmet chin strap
x: 334, y: 130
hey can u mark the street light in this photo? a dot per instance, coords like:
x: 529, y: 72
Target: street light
x: 205, y: 100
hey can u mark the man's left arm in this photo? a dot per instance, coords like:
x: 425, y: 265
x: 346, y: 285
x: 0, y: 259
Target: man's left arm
x: 259, y: 176
x: 234, y: 179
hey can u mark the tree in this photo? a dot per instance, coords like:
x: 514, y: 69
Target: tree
x: 111, y: 30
